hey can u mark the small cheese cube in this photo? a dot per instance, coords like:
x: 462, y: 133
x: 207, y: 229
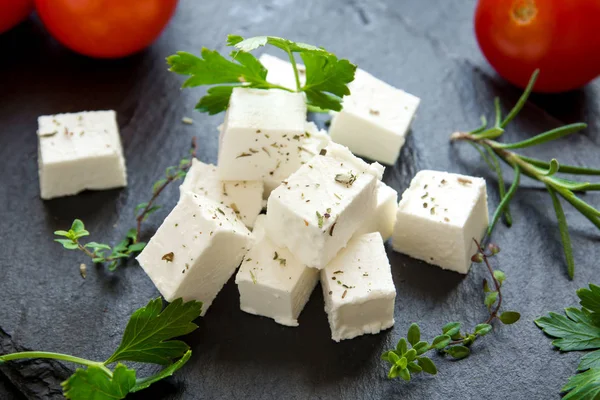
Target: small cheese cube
x: 195, y: 250
x: 439, y: 216
x: 358, y: 289
x: 375, y: 119
x: 281, y: 72
x: 272, y: 283
x: 79, y: 151
x: 244, y: 197
x: 318, y: 209
x: 384, y: 217
x: 260, y: 134
x: 311, y: 143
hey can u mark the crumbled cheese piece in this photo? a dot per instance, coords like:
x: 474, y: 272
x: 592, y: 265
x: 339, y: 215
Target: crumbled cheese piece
x: 195, y: 250
x: 79, y: 151
x: 375, y: 119
x: 358, y: 289
x: 315, y: 212
x: 243, y: 197
x: 439, y: 216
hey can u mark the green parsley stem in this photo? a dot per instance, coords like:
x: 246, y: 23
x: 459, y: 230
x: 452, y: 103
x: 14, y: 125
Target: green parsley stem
x: 56, y: 356
x: 295, y: 68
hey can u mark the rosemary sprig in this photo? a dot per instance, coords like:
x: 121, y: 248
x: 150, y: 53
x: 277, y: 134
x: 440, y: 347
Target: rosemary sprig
x: 483, y: 139
x: 130, y: 245
x: 407, y: 361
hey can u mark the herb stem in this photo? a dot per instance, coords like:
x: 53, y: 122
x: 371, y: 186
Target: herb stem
x: 142, y: 216
x: 86, y: 251
x: 295, y: 68
x: 56, y: 356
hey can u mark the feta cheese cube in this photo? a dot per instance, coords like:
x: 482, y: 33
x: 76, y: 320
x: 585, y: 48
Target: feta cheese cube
x: 310, y: 144
x: 384, y: 217
x: 258, y: 231
x: 196, y: 250
x: 439, y: 216
x: 79, y: 151
x: 318, y: 209
x: 243, y: 197
x: 272, y: 282
x: 280, y: 72
x: 358, y: 289
x: 260, y: 134
x: 375, y: 119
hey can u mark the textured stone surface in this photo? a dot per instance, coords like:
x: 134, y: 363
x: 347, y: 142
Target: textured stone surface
x: 424, y: 47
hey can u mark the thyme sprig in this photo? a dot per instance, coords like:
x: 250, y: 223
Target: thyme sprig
x: 483, y: 139
x: 405, y: 362
x: 130, y: 245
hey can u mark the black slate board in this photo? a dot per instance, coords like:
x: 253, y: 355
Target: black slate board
x: 426, y: 48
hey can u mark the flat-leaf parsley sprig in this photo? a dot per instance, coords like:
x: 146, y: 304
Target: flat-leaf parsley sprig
x: 148, y: 338
x: 130, y: 245
x: 483, y: 139
x: 327, y: 77
x: 579, y: 330
x: 408, y: 357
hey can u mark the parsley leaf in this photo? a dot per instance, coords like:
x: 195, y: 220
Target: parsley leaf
x: 583, y: 386
x: 148, y: 334
x: 166, y: 372
x: 327, y: 79
x: 94, y: 384
x: 326, y: 76
x: 579, y: 329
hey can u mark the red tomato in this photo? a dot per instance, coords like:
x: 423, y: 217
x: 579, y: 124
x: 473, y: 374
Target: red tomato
x: 105, y: 28
x: 560, y: 37
x: 13, y: 11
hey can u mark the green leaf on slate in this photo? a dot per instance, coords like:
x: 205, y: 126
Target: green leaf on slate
x: 451, y: 328
x: 458, y: 352
x: 509, y: 317
x: 414, y: 334
x: 149, y: 333
x: 427, y: 365
x: 93, y: 384
x: 483, y: 329
x: 441, y: 341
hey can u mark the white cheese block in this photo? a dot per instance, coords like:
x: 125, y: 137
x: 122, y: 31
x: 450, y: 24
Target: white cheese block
x: 79, y: 151
x: 315, y: 212
x: 261, y: 134
x: 310, y: 144
x: 375, y: 119
x: 272, y: 282
x: 439, y: 216
x: 196, y: 250
x: 280, y: 72
x: 358, y: 289
x: 384, y: 217
x: 244, y: 197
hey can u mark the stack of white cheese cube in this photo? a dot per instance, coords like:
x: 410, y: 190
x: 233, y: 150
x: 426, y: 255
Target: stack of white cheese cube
x: 328, y: 212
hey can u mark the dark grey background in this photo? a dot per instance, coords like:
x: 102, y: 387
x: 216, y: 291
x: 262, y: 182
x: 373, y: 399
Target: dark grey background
x: 425, y: 47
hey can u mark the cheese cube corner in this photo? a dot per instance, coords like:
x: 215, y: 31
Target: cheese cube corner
x: 315, y: 212
x: 272, y: 282
x: 384, y: 216
x: 375, y: 119
x: 261, y: 134
x: 358, y: 289
x: 439, y: 216
x: 79, y: 151
x: 243, y: 197
x: 196, y: 250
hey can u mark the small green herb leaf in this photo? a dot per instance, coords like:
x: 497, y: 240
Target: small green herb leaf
x: 500, y: 276
x: 458, y: 352
x: 483, y: 329
x: 509, y: 317
x: 451, y: 328
x: 491, y: 298
x: 427, y: 365
x: 414, y: 334
x: 441, y: 341
x: 165, y: 373
x: 67, y: 244
x: 401, y: 347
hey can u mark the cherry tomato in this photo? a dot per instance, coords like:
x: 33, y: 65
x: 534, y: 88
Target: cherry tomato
x: 560, y: 37
x: 105, y: 28
x: 13, y: 11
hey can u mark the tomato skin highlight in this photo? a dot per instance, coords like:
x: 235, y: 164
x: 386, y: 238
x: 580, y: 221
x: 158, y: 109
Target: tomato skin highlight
x: 12, y: 12
x: 105, y: 28
x: 560, y: 37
